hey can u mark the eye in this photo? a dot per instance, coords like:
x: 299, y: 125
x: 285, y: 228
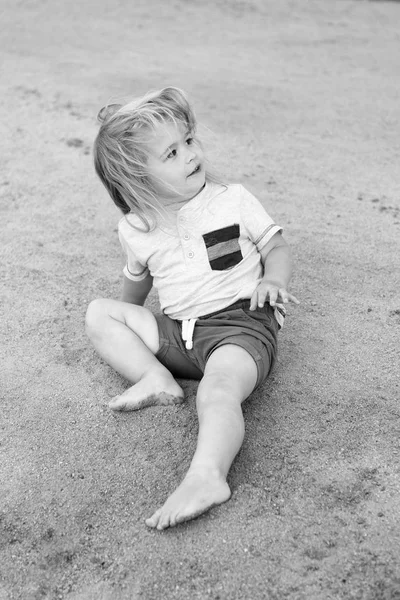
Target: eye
x: 171, y: 154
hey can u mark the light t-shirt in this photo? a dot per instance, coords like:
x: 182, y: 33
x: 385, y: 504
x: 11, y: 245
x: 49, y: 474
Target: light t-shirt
x: 209, y: 259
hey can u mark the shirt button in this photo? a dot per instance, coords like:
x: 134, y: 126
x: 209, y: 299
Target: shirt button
x: 186, y: 236
x: 190, y: 254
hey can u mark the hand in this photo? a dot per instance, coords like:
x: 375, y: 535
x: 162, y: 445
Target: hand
x: 268, y: 291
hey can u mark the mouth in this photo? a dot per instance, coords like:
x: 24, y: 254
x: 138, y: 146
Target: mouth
x: 196, y: 170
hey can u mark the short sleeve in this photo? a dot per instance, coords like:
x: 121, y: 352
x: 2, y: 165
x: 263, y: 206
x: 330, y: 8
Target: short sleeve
x: 133, y: 270
x: 260, y: 227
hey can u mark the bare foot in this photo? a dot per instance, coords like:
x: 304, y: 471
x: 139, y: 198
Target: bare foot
x: 152, y: 390
x: 198, y: 492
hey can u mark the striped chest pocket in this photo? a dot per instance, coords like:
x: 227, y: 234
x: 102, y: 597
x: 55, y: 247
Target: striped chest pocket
x: 223, y: 247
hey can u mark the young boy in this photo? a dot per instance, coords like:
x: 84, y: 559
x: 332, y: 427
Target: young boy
x: 221, y: 268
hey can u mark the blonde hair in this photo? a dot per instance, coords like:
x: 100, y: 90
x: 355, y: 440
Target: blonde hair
x: 120, y: 152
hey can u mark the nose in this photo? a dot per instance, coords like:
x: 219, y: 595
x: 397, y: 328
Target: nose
x: 191, y: 154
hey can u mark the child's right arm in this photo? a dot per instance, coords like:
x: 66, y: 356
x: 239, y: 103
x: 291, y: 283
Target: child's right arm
x: 136, y: 292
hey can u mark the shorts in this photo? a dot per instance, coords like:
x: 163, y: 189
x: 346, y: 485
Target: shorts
x: 255, y: 331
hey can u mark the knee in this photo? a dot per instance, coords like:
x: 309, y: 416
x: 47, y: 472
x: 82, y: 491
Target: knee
x: 217, y: 399
x: 218, y: 380
x: 96, y: 312
x: 214, y: 388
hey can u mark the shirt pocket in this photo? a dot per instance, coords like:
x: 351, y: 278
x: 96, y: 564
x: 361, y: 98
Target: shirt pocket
x: 223, y: 249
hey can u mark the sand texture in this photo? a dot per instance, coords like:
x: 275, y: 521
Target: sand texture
x: 304, y: 101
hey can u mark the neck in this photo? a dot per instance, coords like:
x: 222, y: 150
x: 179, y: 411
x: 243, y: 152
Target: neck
x: 174, y: 205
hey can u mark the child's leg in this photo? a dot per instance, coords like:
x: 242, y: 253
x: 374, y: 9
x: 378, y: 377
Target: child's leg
x: 126, y: 337
x: 229, y: 378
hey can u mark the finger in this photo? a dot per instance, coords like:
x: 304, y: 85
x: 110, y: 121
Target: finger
x: 261, y: 299
x: 273, y: 297
x: 286, y: 297
x: 293, y: 299
x: 253, y: 301
x: 283, y: 296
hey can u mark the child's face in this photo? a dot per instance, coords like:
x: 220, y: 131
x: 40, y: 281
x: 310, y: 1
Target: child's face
x: 175, y: 163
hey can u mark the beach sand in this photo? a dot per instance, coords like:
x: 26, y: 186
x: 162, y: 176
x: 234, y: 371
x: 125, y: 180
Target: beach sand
x: 303, y: 101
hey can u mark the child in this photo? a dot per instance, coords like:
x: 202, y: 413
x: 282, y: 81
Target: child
x: 221, y: 268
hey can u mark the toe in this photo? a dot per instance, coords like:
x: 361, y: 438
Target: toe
x: 125, y: 402
x: 169, y: 399
x: 164, y: 522
x: 181, y: 518
x: 173, y: 519
x: 154, y: 519
x: 117, y: 403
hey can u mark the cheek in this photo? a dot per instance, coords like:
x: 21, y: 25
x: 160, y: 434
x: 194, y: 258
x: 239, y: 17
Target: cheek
x: 156, y: 173
x: 154, y: 180
x: 200, y: 153
x: 162, y: 181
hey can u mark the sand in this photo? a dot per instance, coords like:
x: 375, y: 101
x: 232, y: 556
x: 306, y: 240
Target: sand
x: 303, y: 98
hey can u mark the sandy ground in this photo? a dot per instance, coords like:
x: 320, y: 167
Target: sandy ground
x: 304, y: 100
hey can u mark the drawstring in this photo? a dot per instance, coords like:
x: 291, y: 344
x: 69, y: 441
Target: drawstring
x: 189, y: 324
x: 280, y: 314
x: 187, y: 332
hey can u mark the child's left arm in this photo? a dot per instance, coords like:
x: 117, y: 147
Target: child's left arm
x: 276, y: 258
